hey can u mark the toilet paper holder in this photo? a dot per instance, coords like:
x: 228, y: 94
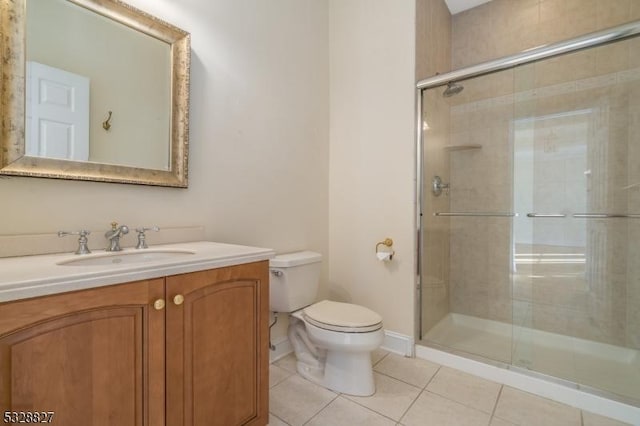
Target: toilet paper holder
x: 386, y: 242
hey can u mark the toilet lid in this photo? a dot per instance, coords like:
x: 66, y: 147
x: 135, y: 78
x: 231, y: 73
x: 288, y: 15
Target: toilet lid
x: 345, y: 317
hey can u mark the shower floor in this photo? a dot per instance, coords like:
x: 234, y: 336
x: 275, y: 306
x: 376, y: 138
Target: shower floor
x: 597, y: 365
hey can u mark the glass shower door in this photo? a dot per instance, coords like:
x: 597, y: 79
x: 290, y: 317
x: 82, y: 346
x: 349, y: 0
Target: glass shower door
x: 466, y: 287
x: 576, y: 186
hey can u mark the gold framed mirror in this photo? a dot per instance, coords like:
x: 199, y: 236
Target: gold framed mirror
x: 126, y: 117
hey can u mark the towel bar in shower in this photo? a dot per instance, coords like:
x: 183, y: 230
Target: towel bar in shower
x: 477, y: 214
x: 605, y: 215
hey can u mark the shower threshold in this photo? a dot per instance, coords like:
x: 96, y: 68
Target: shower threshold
x: 592, y: 364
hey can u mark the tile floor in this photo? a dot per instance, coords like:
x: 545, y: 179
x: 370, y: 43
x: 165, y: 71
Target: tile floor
x: 411, y: 391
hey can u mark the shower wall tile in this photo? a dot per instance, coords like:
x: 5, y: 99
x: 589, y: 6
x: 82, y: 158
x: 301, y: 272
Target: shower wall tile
x: 433, y: 247
x: 612, y: 58
x: 598, y: 300
x: 632, y: 337
x: 480, y: 284
x: 433, y: 38
x: 635, y: 10
x: 564, y: 293
x: 522, y: 314
x: 435, y: 301
x: 554, y: 318
x: 632, y: 307
x: 423, y: 42
x: 513, y: 26
x: 481, y: 181
x: 567, y: 68
x: 613, y: 12
x: 552, y: 9
x: 580, y: 19
x: 433, y: 47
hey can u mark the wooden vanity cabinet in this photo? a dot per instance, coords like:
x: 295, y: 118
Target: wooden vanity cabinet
x: 217, y: 346
x: 86, y: 356
x: 188, y: 349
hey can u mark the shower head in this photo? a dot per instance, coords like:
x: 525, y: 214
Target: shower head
x: 453, y: 88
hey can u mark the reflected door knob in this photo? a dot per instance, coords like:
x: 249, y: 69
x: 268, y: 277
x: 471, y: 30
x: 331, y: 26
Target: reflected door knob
x: 178, y: 299
x: 159, y: 304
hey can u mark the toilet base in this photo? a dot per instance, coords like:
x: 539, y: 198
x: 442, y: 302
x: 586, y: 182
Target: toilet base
x: 348, y: 373
x: 337, y: 361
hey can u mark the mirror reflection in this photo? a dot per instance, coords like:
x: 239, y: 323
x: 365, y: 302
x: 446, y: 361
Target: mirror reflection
x: 96, y: 90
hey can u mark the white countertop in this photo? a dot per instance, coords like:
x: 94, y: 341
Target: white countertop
x: 31, y: 276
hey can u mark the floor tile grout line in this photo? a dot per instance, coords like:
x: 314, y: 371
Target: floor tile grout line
x: 374, y: 411
x: 418, y: 396
x: 492, y: 414
x: 432, y: 377
x: 337, y: 394
x: 410, y: 405
x: 289, y: 374
x: 422, y: 390
x: 380, y: 360
x: 286, y: 423
x: 356, y: 402
x: 322, y: 409
x: 495, y: 406
x: 286, y: 369
x: 460, y: 402
x: 404, y: 381
x: 345, y: 396
x: 400, y: 380
x: 286, y: 379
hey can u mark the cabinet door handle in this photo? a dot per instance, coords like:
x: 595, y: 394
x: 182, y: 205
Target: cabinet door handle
x: 159, y: 304
x: 178, y: 299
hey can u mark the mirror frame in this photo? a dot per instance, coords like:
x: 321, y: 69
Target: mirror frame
x: 12, y: 101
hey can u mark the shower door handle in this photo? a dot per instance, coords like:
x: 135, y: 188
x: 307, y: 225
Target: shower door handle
x: 555, y: 215
x: 476, y: 214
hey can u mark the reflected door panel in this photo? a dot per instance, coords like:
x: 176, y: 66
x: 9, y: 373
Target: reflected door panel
x: 57, y: 108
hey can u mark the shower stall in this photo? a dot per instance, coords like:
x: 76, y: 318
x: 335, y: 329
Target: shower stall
x: 529, y: 212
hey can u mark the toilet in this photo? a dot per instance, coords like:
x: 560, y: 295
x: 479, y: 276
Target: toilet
x: 332, y: 340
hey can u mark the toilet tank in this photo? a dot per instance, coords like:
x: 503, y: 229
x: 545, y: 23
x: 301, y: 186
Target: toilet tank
x: 294, y: 280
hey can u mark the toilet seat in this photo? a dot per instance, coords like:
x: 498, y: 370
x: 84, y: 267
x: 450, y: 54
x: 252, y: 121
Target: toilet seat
x: 342, y: 317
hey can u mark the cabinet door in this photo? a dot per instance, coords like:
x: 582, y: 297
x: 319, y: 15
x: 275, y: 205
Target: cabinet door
x: 217, y: 347
x: 85, y: 356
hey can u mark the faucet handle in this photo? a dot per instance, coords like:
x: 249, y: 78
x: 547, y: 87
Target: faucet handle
x: 142, y: 238
x: 83, y: 248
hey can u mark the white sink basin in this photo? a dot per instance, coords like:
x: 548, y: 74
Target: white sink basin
x: 126, y: 257
x: 23, y: 277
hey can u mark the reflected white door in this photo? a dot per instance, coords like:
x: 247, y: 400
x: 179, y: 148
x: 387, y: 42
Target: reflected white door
x: 57, y: 113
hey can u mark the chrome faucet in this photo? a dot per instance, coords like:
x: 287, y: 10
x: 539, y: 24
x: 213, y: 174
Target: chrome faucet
x: 114, y: 234
x: 82, y: 240
x: 142, y: 238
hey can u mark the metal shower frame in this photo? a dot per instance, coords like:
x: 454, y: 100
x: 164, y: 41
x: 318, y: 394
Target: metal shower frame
x: 528, y: 56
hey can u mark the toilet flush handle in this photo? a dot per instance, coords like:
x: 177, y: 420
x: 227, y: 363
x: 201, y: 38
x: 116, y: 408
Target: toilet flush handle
x: 276, y: 273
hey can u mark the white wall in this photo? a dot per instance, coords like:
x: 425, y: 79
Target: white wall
x: 259, y: 152
x: 372, y: 155
x: 258, y: 161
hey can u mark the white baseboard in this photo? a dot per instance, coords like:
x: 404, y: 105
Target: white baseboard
x: 282, y: 349
x: 547, y: 389
x: 398, y: 343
